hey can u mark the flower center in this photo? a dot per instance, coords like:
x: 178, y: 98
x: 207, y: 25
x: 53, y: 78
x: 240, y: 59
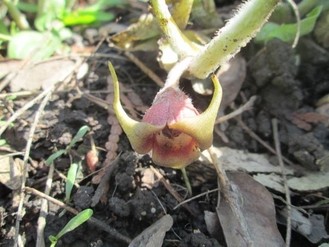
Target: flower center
x: 171, y: 139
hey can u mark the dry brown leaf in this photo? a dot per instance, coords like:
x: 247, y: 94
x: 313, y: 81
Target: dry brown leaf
x: 312, y: 227
x: 10, y: 172
x: 272, y: 181
x: 141, y: 35
x: 231, y: 77
x: 248, y: 216
x: 9, y: 65
x: 42, y: 75
x: 212, y: 223
x: 154, y: 234
x: 313, y: 181
x: 237, y: 160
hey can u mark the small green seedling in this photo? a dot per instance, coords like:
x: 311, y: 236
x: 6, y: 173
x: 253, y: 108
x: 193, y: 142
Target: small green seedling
x: 75, y: 222
x: 75, y: 166
x: 71, y: 177
x: 79, y: 135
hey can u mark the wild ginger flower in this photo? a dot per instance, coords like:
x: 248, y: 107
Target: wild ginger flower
x: 171, y: 129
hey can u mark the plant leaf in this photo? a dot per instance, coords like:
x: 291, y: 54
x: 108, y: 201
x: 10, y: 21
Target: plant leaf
x: 32, y: 44
x: 82, y: 131
x: 287, y: 32
x: 54, y: 156
x: 71, y: 177
x: 86, y: 17
x: 75, y: 222
x: 48, y: 11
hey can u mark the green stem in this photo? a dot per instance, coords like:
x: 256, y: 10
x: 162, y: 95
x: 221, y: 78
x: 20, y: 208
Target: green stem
x: 178, y: 41
x: 17, y: 16
x: 234, y: 35
x: 187, y: 181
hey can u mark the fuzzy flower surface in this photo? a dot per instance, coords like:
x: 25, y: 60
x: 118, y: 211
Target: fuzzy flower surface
x: 172, y: 130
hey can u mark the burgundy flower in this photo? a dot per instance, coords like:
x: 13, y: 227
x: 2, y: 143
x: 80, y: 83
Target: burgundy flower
x: 172, y: 129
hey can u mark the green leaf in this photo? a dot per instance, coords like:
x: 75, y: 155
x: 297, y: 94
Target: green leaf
x: 53, y: 240
x: 27, y: 7
x: 48, y: 12
x: 71, y: 177
x: 75, y: 222
x: 2, y: 142
x: 3, y: 29
x: 287, y: 32
x: 86, y: 17
x: 32, y: 44
x: 81, y: 133
x: 54, y: 156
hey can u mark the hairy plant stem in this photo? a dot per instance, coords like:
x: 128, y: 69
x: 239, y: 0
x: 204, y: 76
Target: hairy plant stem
x: 178, y: 41
x: 235, y: 34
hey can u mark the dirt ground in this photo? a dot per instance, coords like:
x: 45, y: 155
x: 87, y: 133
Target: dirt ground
x: 288, y: 84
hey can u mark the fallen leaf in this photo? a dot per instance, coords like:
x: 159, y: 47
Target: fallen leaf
x: 248, y: 215
x: 231, y: 79
x: 42, y: 75
x: 313, y: 181
x: 272, y: 181
x: 32, y: 44
x: 9, y: 65
x: 10, y: 172
x: 212, y: 223
x: 141, y: 35
x: 154, y: 234
x: 231, y: 76
x: 237, y: 160
x: 312, y: 227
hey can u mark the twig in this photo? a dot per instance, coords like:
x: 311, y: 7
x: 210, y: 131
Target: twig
x: 23, y: 109
x: 222, y: 178
x: 195, y: 197
x: 114, y: 233
x: 299, y: 208
x: 246, y: 107
x: 103, y: 185
x: 287, y: 191
x: 171, y: 190
x: 229, y: 193
x: 160, y: 203
x: 44, y: 209
x: 257, y: 138
x: 168, y: 187
x: 17, y: 94
x: 145, y: 69
x: 26, y: 158
x: 61, y: 175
